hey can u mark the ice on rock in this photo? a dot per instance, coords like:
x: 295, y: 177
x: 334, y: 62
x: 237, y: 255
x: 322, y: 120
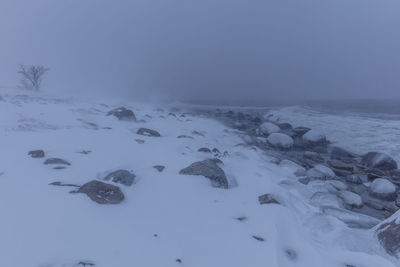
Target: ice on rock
x: 280, y: 140
x: 314, y: 136
x: 296, y: 168
x: 320, y: 172
x: 269, y: 128
x: 351, y: 199
x: 383, y: 188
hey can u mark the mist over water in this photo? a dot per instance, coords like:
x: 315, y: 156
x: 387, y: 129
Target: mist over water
x: 234, y: 52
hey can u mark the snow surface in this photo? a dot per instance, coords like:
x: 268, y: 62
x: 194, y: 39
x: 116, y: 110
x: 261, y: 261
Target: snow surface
x: 165, y: 216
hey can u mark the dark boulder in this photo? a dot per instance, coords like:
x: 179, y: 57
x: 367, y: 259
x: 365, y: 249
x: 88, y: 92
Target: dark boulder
x: 379, y: 161
x: 299, y: 131
x: 388, y: 233
x: 122, y: 114
x: 285, y: 126
x: 36, y: 153
x: 148, y: 132
x: 209, y: 169
x: 121, y: 177
x: 102, y: 193
x: 340, y: 153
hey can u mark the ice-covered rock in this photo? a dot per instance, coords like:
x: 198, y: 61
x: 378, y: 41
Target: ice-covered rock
x: 320, y: 172
x: 352, y: 219
x: 121, y: 177
x: 383, y: 189
x: 268, y: 128
x: 280, y: 140
x: 379, y: 161
x: 122, y: 114
x: 148, y: 132
x: 209, y: 169
x: 296, y: 168
x: 388, y: 233
x: 351, y: 199
x: 102, y: 193
x: 314, y: 137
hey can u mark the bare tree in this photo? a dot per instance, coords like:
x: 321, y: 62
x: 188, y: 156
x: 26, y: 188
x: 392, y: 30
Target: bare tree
x: 31, y: 76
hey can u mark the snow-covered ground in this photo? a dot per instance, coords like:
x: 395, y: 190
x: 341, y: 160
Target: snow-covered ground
x: 166, y: 219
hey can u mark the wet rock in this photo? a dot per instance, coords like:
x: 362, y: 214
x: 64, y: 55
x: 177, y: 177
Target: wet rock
x: 159, y: 168
x: 36, y: 153
x: 267, y: 199
x: 314, y: 156
x: 320, y: 172
x: 300, y: 131
x: 383, y: 189
x: 351, y: 199
x: 354, y: 178
x: 388, y: 233
x: 148, y: 132
x: 204, y: 149
x: 102, y: 193
x: 122, y: 114
x: 56, y: 161
x: 121, y: 177
x: 340, y: 153
x: 280, y: 140
x: 268, y: 128
x: 304, y: 180
x: 285, y: 126
x: 337, y: 164
x: 379, y: 161
x: 209, y: 169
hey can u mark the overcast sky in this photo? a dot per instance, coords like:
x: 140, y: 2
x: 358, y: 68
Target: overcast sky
x: 207, y: 49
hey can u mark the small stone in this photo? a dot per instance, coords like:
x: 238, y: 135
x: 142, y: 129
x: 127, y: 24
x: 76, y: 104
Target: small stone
x: 209, y: 169
x: 148, y: 132
x: 36, y: 153
x: 178, y: 260
x: 56, y: 161
x: 242, y: 218
x: 204, y: 149
x: 341, y: 165
x: 258, y: 238
x: 159, y: 168
x: 354, y: 178
x: 267, y: 199
x: 184, y: 136
x: 139, y: 141
x: 291, y: 254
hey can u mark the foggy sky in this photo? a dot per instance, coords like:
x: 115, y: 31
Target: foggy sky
x: 219, y: 50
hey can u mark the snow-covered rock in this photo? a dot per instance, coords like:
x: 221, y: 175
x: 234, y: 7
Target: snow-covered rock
x: 148, y: 132
x: 383, y: 189
x: 121, y: 177
x: 296, y: 168
x: 351, y: 199
x: 36, y: 153
x: 268, y: 128
x: 314, y: 137
x: 320, y: 172
x: 280, y: 140
x: 379, y: 161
